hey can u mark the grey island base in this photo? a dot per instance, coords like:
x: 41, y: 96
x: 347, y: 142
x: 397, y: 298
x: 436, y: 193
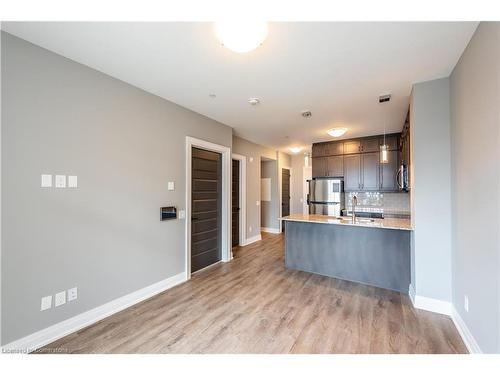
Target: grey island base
x: 371, y: 255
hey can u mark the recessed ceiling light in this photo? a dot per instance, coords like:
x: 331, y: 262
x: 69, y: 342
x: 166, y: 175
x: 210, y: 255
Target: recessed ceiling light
x: 295, y: 150
x: 240, y: 36
x: 337, y: 132
x: 254, y: 101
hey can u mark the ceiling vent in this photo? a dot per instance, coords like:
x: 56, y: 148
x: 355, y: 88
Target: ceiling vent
x: 384, y: 98
x: 306, y: 114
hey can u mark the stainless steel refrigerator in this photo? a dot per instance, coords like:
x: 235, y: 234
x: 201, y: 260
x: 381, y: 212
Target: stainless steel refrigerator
x: 326, y: 196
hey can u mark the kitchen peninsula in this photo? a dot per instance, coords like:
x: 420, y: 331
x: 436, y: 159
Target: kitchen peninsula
x: 369, y: 251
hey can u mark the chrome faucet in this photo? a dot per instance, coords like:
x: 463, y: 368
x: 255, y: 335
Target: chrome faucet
x: 354, y: 204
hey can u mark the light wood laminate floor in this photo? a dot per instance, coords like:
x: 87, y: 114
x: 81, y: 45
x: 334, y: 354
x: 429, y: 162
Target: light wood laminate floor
x: 254, y: 305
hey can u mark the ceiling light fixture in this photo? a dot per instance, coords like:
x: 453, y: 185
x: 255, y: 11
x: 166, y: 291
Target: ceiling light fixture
x: 337, y: 132
x: 254, y: 101
x: 384, y: 149
x: 295, y: 150
x: 241, y: 37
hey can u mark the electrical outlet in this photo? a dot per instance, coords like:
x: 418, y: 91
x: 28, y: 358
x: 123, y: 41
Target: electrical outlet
x: 60, y: 299
x: 466, y: 303
x: 182, y: 214
x: 72, y: 181
x: 46, y: 303
x: 72, y: 294
x: 60, y: 181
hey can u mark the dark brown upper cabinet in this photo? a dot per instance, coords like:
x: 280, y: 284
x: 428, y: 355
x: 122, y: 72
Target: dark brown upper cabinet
x: 319, y: 167
x: 335, y: 166
x: 352, y: 172
x: 370, y: 145
x: 352, y: 147
x: 328, y: 166
x: 334, y: 148
x: 388, y: 172
x: 358, y: 161
x: 370, y: 171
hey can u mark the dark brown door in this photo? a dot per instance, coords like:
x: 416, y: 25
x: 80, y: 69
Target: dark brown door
x: 206, y: 208
x: 285, y: 192
x: 235, y: 223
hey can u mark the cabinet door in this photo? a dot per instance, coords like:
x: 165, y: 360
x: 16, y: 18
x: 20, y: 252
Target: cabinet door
x: 370, y: 145
x: 319, y: 167
x: 370, y: 171
x: 352, y: 147
x: 335, y: 166
x: 388, y: 172
x: 318, y: 149
x: 391, y: 141
x: 334, y: 148
x: 352, y: 168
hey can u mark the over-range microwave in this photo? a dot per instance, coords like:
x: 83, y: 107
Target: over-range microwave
x: 402, y: 178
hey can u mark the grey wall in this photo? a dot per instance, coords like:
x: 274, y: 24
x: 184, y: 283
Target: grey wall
x: 475, y: 135
x: 431, y: 197
x: 105, y: 237
x: 269, y: 212
x: 253, y: 152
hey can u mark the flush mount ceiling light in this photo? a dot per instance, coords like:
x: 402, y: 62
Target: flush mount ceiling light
x: 241, y: 37
x: 254, y: 101
x: 295, y: 150
x: 337, y: 132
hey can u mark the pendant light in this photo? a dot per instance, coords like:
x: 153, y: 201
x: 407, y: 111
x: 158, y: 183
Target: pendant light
x: 384, y: 149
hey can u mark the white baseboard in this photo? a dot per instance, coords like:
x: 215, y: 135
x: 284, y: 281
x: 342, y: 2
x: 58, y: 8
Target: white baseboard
x: 465, y: 333
x: 411, y: 294
x: 270, y: 230
x: 46, y: 336
x: 252, y: 240
x: 429, y: 304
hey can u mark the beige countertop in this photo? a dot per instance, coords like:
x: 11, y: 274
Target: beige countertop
x: 401, y: 224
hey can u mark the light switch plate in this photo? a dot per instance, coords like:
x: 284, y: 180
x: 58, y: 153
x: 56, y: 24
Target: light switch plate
x: 257, y: 203
x: 171, y: 186
x: 72, y: 181
x: 46, y: 180
x: 182, y: 214
x: 251, y: 159
x: 60, y: 299
x: 46, y: 303
x: 60, y: 181
x: 72, y: 294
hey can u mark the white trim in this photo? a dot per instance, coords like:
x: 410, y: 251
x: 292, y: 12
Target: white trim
x: 270, y: 230
x: 251, y: 240
x: 50, y: 334
x: 431, y: 304
x: 226, y: 198
x: 243, y: 197
x: 280, y: 187
x: 465, y: 333
x: 411, y: 294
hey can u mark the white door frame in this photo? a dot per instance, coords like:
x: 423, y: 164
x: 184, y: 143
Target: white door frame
x: 243, y: 197
x: 280, y: 179
x: 226, y: 198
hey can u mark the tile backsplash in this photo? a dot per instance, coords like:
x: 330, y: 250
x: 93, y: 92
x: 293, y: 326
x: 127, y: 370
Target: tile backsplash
x: 385, y: 203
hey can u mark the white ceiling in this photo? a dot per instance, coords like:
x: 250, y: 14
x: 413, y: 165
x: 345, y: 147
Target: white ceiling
x: 336, y: 70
